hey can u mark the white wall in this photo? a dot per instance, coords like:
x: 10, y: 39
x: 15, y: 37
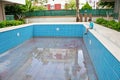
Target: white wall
x: 16, y: 1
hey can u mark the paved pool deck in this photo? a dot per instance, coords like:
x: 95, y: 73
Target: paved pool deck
x: 112, y: 35
x: 41, y: 19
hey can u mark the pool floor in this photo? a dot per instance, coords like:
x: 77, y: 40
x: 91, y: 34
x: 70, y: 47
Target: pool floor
x: 47, y: 59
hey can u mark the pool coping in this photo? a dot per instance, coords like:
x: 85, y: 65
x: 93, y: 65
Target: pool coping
x: 29, y: 24
x: 107, y: 43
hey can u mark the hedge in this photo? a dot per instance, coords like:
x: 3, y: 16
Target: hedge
x: 11, y: 23
x: 110, y: 24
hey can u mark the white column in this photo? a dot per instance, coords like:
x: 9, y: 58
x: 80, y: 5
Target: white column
x: 2, y: 11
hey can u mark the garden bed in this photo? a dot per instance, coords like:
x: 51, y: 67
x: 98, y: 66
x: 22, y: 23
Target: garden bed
x: 110, y: 24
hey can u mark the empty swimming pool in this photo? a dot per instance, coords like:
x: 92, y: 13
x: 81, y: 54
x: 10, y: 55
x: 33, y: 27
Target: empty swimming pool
x: 48, y: 59
x: 54, y: 52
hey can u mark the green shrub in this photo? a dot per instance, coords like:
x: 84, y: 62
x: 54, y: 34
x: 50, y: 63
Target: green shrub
x: 105, y: 23
x: 11, y: 23
x: 2, y: 24
x: 99, y: 20
x: 23, y: 21
x: 110, y: 24
x: 116, y: 26
x: 36, y: 8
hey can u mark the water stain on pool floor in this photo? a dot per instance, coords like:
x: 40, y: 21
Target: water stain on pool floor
x: 47, y: 59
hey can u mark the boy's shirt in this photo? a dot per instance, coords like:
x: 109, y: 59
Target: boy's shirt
x: 91, y: 25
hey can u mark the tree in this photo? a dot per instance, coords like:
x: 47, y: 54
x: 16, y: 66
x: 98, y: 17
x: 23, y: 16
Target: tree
x: 66, y: 6
x: 86, y: 6
x: 13, y: 9
x: 104, y: 4
x: 41, y: 2
x: 71, y: 5
x: 77, y: 11
x: 28, y: 6
x: 19, y: 10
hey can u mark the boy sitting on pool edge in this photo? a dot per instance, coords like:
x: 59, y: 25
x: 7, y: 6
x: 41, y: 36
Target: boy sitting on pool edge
x: 90, y: 25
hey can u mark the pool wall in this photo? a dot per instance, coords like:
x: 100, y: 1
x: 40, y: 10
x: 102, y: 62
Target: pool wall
x: 107, y: 67
x: 58, y: 30
x: 11, y: 38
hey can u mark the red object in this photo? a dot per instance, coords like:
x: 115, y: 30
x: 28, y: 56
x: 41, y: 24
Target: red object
x: 48, y: 6
x: 57, y: 6
x: 54, y: 7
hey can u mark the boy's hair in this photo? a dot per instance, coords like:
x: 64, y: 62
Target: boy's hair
x: 89, y: 19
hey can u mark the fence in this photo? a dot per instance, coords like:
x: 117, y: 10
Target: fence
x: 115, y: 15
x: 94, y: 12
x: 9, y: 17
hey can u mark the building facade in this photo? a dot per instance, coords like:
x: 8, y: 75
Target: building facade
x: 60, y: 4
x: 5, y: 2
x: 56, y: 4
